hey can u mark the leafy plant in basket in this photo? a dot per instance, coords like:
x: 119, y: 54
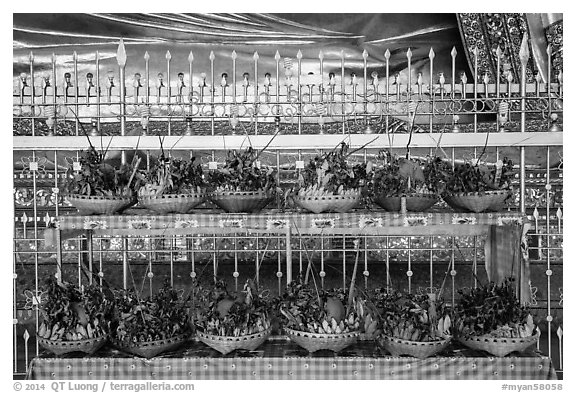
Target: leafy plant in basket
x: 172, y: 176
x: 227, y: 321
x: 331, y: 174
x: 221, y: 313
x: 319, y: 311
x: 473, y: 186
x: 242, y: 173
x: 70, y: 315
x: 493, y: 311
x: 412, y: 317
x: 161, y: 316
x: 98, y: 178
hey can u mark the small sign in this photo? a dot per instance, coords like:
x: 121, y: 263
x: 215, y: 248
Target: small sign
x: 76, y: 166
x: 258, y: 164
x: 212, y: 165
x: 299, y: 164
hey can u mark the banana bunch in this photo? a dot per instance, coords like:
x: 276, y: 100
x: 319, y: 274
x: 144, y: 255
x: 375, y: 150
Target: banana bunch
x: 216, y: 328
x: 315, y: 191
x: 370, y: 324
x: 150, y: 190
x: 515, y: 330
x: 80, y: 332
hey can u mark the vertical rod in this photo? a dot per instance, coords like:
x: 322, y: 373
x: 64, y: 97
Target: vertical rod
x: 548, y: 270
x: 168, y: 90
x: 54, y: 97
x: 121, y: 59
x: 343, y: 90
x: 90, y: 255
x: 257, y: 259
x: 387, y: 264
x: 32, y: 95
x: 322, y: 272
x: 236, y: 273
x: 256, y: 95
x: 288, y: 255
x: 432, y: 92
x: 98, y: 93
x: 476, y: 89
x: 409, y: 272
x: 212, y: 92
x: 76, y: 89
x: 344, y: 262
x: 35, y: 218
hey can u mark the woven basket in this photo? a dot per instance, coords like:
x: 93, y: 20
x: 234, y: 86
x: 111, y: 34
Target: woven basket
x: 313, y: 342
x: 241, y: 201
x: 88, y: 205
x: 335, y: 203
x: 227, y: 344
x: 151, y: 348
x: 498, y: 346
x: 417, y: 349
x: 60, y: 347
x: 477, y: 202
x: 172, y: 203
x: 414, y: 202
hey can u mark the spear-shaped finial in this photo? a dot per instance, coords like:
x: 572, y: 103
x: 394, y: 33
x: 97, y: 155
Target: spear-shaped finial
x: 256, y: 56
x: 146, y: 56
x: 431, y: 54
x: 121, y: 54
x: 364, y: 54
x: 277, y: 56
x: 387, y: 54
x: 409, y: 54
x: 168, y: 55
x: 31, y: 57
x: 498, y: 52
x: 190, y: 57
x: 321, y: 55
x: 299, y: 54
x: 453, y: 52
x: 212, y: 56
x: 524, y: 52
x: 234, y: 55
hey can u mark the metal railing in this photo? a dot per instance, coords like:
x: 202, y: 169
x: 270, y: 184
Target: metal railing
x: 455, y: 115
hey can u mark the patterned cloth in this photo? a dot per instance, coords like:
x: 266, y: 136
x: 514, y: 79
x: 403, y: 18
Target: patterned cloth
x: 367, y: 223
x: 280, y: 359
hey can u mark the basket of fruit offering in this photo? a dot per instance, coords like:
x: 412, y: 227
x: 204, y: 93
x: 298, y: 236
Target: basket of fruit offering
x: 96, y: 187
x: 330, y: 183
x: 475, y: 187
x: 400, y: 178
x: 73, y: 321
x: 317, y: 320
x: 227, y: 322
x: 172, y: 185
x: 151, y: 326
x: 242, y: 185
x: 414, y: 325
x: 491, y: 318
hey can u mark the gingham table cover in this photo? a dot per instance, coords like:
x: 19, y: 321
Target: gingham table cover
x: 351, y: 223
x: 281, y: 360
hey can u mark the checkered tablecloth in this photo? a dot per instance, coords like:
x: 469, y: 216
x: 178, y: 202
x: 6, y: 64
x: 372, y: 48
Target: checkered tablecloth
x: 282, y: 360
x: 368, y: 223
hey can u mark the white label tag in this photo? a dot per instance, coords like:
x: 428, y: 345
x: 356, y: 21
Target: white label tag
x: 258, y: 164
x: 212, y: 165
x: 299, y: 164
x: 76, y: 166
